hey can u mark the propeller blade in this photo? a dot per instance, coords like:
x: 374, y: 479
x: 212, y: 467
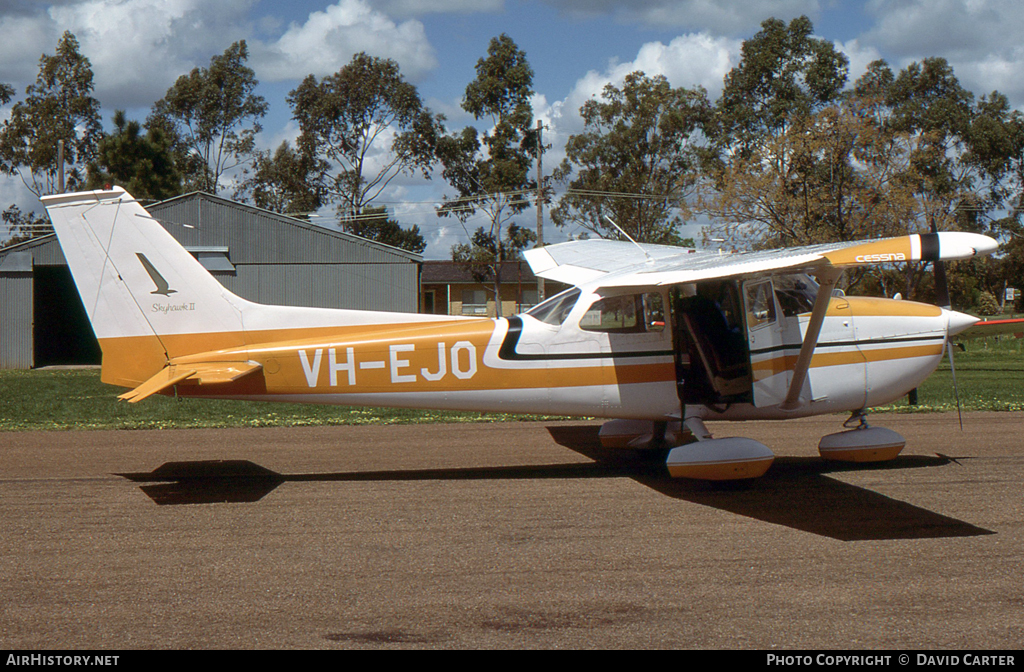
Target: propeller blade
x: 956, y: 389
x: 941, y: 287
x: 942, y: 299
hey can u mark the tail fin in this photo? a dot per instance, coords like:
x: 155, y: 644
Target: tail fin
x: 148, y: 299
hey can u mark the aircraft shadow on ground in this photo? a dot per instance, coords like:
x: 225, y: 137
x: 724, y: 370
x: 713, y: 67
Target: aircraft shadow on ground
x: 796, y: 492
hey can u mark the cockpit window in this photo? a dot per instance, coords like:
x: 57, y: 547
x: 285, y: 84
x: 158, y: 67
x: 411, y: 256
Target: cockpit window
x: 614, y: 314
x: 795, y: 293
x: 556, y: 309
x: 633, y: 313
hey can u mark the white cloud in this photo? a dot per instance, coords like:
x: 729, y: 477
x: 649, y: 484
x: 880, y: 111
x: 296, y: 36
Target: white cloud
x: 329, y: 38
x: 860, y: 57
x: 909, y: 28
x: 689, y: 60
x: 23, y: 39
x: 272, y: 139
x: 980, y: 39
x: 137, y: 48
x: 410, y: 8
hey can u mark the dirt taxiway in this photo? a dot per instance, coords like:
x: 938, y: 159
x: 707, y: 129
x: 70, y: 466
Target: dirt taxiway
x: 507, y: 535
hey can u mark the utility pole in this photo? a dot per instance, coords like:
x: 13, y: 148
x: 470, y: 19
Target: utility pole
x: 60, y: 166
x: 540, y: 202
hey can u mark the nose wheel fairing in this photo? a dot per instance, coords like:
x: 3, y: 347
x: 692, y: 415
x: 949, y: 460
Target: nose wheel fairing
x: 863, y: 443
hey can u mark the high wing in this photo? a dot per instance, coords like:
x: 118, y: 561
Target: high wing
x: 609, y: 263
x: 604, y: 264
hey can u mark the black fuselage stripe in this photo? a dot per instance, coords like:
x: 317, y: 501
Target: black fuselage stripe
x: 507, y: 351
x: 849, y: 344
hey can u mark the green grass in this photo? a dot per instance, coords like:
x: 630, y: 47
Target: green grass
x: 55, y: 399
x: 990, y: 376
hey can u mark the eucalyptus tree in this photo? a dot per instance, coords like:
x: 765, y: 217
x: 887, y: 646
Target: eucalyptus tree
x: 212, y: 116
x: 784, y: 74
x: 490, y: 170
x: 784, y: 78
x: 282, y: 181
x: 364, y: 126
x: 375, y: 224
x: 961, y: 158
x: 58, y: 109
x: 636, y: 161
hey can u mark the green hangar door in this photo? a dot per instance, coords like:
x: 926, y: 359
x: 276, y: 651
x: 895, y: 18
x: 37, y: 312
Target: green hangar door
x: 61, y: 330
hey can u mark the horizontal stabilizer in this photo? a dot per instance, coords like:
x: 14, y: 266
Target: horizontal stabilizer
x: 203, y: 373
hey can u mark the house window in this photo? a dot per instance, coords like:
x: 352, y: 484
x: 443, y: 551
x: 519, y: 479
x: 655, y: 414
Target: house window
x: 530, y: 298
x: 474, y: 302
x: 213, y: 259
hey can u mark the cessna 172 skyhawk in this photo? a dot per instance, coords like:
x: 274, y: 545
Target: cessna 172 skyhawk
x: 656, y: 338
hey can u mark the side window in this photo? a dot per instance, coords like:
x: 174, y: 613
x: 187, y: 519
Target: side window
x: 795, y: 293
x: 654, y: 312
x: 760, y: 304
x: 632, y: 313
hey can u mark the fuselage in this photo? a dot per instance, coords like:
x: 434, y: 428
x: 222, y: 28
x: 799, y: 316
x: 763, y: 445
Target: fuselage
x: 599, y: 357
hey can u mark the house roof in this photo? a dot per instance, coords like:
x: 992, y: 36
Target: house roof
x: 451, y: 272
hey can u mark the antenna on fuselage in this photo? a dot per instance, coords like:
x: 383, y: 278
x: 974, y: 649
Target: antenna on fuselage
x: 611, y: 221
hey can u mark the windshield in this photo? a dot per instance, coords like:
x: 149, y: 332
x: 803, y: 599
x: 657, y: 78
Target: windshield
x: 556, y: 309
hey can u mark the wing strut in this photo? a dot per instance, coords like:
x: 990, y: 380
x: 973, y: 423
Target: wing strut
x: 826, y: 283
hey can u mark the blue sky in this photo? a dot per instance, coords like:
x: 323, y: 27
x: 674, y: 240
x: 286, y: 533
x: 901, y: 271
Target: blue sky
x: 138, y: 47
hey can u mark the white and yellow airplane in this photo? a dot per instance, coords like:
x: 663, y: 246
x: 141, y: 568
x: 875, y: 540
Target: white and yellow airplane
x: 656, y: 338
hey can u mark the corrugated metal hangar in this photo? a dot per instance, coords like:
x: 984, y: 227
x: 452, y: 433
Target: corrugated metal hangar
x: 259, y: 255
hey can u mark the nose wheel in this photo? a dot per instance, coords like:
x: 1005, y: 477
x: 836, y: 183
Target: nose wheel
x: 863, y: 443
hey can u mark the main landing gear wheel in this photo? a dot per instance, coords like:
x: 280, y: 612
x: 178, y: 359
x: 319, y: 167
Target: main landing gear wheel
x: 709, y: 459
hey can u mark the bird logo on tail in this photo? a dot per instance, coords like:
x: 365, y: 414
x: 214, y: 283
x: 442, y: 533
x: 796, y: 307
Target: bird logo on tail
x: 162, y: 287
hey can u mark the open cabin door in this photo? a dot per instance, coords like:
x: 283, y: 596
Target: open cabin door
x: 771, y: 363
x: 710, y: 345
